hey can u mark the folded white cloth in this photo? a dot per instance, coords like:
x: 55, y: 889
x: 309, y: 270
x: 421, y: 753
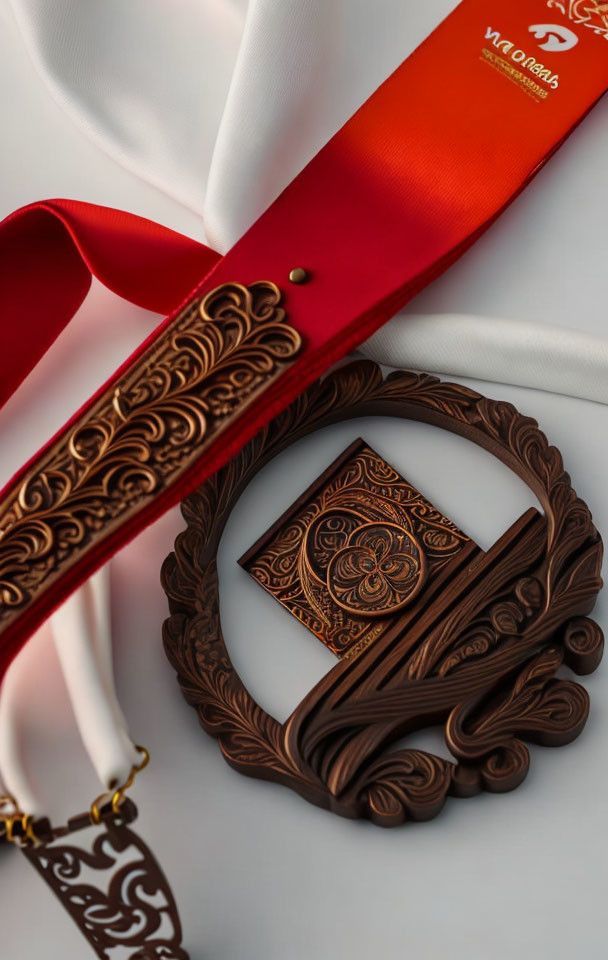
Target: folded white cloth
x: 504, y: 351
x: 219, y: 103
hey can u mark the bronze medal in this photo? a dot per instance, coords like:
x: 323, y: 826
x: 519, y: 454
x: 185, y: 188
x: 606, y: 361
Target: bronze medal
x: 428, y: 627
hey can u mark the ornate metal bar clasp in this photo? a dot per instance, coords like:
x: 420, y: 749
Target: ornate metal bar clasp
x: 140, y: 435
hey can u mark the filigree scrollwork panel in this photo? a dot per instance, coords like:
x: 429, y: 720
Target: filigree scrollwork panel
x: 140, y: 434
x: 109, y: 882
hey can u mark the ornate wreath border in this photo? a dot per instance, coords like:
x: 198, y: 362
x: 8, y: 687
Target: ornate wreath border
x: 337, y: 757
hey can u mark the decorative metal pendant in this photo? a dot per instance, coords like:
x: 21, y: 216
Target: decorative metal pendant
x: 108, y: 880
x: 429, y: 628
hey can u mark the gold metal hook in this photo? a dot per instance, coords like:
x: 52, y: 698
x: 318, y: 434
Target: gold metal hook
x: 119, y: 792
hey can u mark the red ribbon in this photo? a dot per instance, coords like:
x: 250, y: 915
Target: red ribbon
x: 405, y: 187
x: 48, y: 252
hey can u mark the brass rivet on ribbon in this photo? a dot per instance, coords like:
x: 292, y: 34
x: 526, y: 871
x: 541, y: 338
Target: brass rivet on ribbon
x: 299, y: 275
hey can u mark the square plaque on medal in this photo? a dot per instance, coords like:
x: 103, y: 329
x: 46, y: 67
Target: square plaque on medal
x: 359, y: 550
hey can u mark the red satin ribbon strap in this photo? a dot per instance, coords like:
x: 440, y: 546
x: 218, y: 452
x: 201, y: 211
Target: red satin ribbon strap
x: 394, y: 198
x: 48, y: 252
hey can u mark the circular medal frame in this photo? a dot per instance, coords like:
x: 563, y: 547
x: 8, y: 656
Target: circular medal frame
x: 487, y: 672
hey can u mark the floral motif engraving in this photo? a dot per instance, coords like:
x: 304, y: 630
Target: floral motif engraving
x: 378, y: 572
x: 210, y: 362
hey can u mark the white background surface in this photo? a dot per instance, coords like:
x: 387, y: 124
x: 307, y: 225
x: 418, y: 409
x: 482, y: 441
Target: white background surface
x: 258, y: 873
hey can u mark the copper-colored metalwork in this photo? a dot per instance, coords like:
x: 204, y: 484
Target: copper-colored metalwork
x: 145, y: 431
x: 112, y: 886
x: 356, y: 548
x: 477, y: 649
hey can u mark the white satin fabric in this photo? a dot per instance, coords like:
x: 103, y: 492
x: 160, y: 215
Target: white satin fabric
x: 82, y: 634
x: 220, y: 103
x: 543, y: 357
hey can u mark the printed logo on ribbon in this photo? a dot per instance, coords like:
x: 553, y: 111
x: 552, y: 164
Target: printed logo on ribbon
x: 557, y: 39
x: 532, y: 76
